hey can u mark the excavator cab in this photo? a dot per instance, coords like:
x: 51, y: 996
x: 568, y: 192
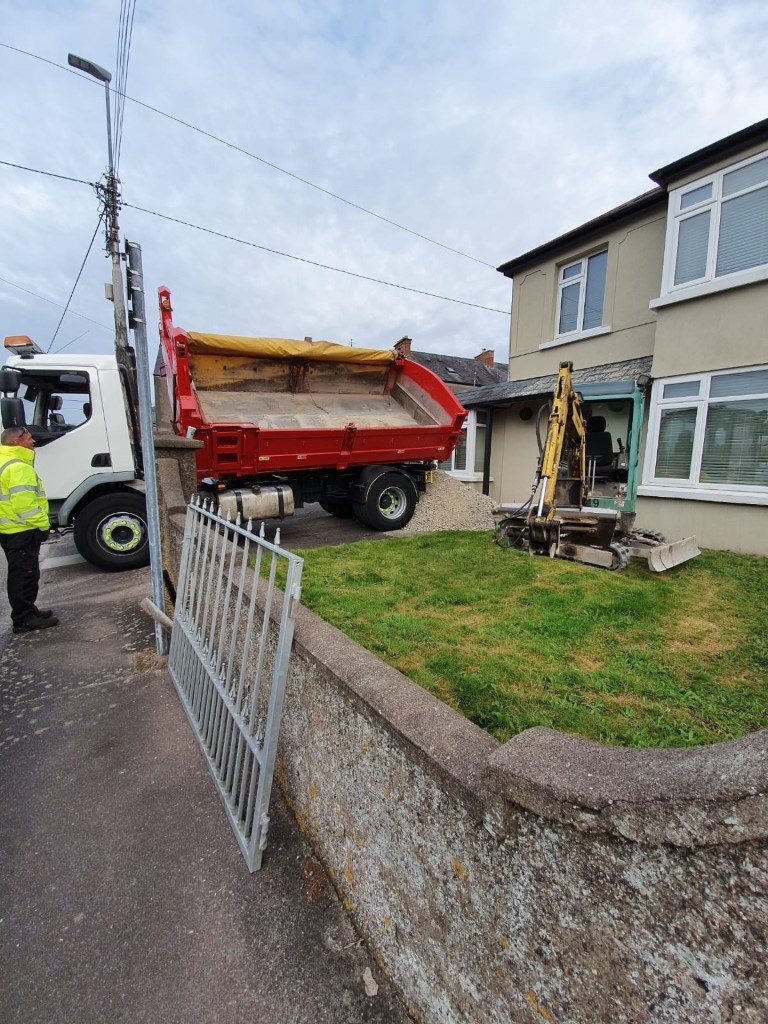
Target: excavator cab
x: 613, y: 414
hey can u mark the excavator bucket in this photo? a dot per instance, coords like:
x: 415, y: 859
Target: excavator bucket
x: 667, y: 556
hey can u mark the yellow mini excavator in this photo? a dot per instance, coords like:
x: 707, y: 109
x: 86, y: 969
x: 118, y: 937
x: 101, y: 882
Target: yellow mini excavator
x: 583, y: 508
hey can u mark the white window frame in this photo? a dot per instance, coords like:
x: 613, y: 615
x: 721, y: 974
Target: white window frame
x: 467, y: 475
x: 691, y: 487
x: 708, y: 282
x: 562, y: 283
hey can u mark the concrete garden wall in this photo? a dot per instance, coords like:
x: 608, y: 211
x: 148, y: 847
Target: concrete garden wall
x: 545, y: 879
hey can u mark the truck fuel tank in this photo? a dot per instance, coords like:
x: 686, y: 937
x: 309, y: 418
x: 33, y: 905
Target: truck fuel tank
x: 270, y: 501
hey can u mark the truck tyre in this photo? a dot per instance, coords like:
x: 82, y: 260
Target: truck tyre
x: 111, y: 531
x: 340, y: 508
x: 390, y: 502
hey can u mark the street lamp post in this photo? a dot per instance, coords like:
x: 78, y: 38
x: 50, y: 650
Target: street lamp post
x: 111, y: 205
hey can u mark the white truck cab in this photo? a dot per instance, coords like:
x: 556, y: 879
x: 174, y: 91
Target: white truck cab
x: 77, y: 407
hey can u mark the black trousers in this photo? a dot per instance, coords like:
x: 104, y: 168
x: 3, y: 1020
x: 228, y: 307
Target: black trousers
x: 23, y: 553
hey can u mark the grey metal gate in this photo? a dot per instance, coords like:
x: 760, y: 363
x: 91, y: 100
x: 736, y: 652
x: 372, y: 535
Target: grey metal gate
x: 229, y: 664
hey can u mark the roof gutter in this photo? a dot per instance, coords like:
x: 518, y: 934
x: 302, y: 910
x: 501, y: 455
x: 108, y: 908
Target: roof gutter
x: 584, y: 232
x: 702, y: 158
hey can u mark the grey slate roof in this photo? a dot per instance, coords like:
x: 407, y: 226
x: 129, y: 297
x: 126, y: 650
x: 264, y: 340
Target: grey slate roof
x: 509, y: 391
x: 460, y: 370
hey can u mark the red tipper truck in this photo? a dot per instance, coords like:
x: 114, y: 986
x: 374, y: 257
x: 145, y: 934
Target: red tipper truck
x: 285, y: 423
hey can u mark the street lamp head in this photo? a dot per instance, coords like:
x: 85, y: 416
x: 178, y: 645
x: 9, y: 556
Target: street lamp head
x: 89, y: 68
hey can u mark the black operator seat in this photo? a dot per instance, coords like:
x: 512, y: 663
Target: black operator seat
x: 599, y: 447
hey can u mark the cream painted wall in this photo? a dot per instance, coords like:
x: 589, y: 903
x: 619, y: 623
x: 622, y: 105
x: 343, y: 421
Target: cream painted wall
x: 740, y: 528
x: 714, y: 332
x: 633, y: 278
x: 514, y: 453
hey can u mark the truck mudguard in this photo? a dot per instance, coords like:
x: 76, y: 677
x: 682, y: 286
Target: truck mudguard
x: 98, y: 480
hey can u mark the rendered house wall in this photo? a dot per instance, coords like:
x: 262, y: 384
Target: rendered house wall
x: 633, y: 276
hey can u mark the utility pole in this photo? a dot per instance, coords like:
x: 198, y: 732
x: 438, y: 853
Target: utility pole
x: 111, y: 199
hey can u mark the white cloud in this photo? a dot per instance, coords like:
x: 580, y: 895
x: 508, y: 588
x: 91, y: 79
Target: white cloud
x: 491, y: 129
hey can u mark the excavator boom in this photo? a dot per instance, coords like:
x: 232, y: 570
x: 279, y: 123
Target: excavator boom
x: 566, y: 433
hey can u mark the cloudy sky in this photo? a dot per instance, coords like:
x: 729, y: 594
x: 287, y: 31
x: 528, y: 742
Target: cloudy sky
x: 488, y: 127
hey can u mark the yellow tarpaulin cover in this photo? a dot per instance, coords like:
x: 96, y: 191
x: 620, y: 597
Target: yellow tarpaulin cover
x: 286, y: 348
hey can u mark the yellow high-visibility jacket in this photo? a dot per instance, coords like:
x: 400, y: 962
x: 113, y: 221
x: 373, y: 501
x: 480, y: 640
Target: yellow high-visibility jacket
x: 23, y: 504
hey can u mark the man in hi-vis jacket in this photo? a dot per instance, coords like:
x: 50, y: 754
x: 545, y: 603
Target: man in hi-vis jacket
x: 24, y: 525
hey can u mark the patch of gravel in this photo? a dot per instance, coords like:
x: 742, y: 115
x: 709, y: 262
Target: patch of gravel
x: 450, y: 505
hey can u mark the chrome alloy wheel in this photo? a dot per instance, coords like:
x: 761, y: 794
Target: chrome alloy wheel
x: 393, y: 502
x: 121, y: 532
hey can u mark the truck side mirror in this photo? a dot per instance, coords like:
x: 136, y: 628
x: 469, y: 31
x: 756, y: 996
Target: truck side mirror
x: 10, y: 381
x: 12, y: 412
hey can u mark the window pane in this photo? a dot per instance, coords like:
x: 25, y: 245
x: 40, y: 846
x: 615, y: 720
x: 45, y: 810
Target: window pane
x: 696, y: 195
x: 569, y: 308
x: 749, y: 382
x: 736, y: 444
x: 573, y: 271
x: 460, y: 452
x: 753, y: 174
x: 595, y: 291
x: 673, y: 455
x: 692, y: 243
x: 743, y: 233
x: 682, y: 389
x: 479, y: 447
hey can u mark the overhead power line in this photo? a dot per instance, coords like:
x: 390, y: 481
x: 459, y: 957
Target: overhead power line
x: 77, y: 279
x: 268, y: 163
x: 312, y: 263
x: 274, y: 252
x: 44, y: 298
x: 72, y: 342
x: 48, y: 174
x: 124, y: 37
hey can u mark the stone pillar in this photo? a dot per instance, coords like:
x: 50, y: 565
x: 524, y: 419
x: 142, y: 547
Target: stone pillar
x: 176, y: 483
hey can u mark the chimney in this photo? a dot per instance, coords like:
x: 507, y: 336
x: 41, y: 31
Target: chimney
x: 404, y: 346
x: 486, y: 356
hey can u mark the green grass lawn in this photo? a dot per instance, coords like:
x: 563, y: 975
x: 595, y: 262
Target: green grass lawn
x: 512, y: 641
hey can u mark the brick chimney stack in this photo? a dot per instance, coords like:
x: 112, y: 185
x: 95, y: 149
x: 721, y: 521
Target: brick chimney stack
x: 486, y: 356
x: 404, y: 346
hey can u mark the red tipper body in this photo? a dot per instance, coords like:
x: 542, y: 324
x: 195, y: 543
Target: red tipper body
x: 269, y: 405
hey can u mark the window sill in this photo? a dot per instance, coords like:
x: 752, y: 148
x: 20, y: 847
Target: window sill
x: 595, y: 332
x: 722, y: 284
x: 466, y: 478
x: 703, y: 494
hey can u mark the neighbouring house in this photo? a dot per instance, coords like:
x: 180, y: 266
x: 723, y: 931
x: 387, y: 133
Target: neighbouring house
x: 463, y: 374
x: 670, y: 288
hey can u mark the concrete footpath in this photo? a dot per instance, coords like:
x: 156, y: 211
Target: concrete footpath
x: 123, y: 895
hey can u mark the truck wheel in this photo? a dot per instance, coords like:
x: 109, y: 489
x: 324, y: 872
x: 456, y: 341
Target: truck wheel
x: 341, y: 509
x: 111, y: 531
x: 390, y: 503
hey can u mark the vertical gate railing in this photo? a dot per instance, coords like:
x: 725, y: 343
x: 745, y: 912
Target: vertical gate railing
x: 229, y: 662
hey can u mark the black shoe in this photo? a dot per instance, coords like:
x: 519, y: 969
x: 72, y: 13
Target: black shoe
x: 36, y: 622
x: 43, y: 613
